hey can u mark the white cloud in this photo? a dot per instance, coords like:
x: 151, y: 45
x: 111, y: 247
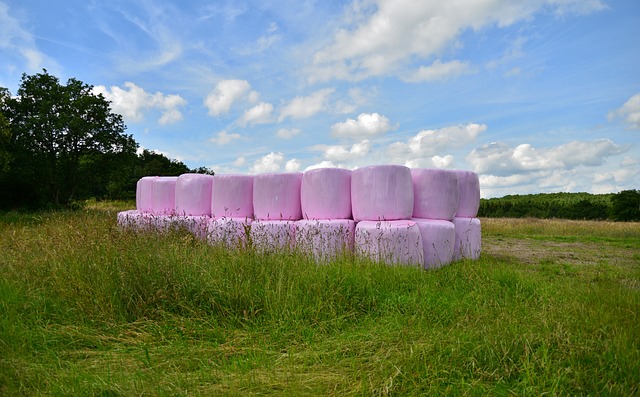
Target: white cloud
x: 379, y: 37
x: 292, y: 165
x: 342, y: 153
x: 271, y: 162
x: 284, y: 133
x: 259, y: 114
x: 366, y: 125
x: 220, y: 100
x: 432, y: 143
x: 322, y: 164
x: 132, y: 102
x: 223, y: 137
x: 302, y: 107
x: 499, y: 159
x: 629, y: 112
x: 439, y: 71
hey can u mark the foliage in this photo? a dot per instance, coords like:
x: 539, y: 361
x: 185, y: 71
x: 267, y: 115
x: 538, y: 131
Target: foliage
x: 550, y: 205
x: 625, y: 206
x: 58, y: 132
x: 88, y: 309
x: 61, y: 143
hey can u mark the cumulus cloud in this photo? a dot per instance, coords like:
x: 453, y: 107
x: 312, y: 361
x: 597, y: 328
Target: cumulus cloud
x: 223, y: 138
x: 220, y: 100
x: 292, y: 165
x: 284, y: 133
x: 322, y: 164
x: 302, y: 107
x: 259, y: 114
x: 271, y: 162
x: 132, y: 102
x: 629, y: 112
x: 431, y: 143
x: 500, y: 159
x: 366, y: 125
x: 438, y: 71
x: 379, y: 37
x: 343, y: 153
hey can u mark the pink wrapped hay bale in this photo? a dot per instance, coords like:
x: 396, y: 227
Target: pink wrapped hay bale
x: 164, y: 195
x: 381, y: 192
x: 230, y: 232
x: 325, y: 239
x: 392, y: 242
x: 193, y: 194
x: 144, y: 194
x: 273, y: 236
x: 435, y: 193
x: 195, y: 224
x: 325, y: 193
x: 131, y: 219
x: 232, y: 196
x: 277, y: 196
x: 438, y: 241
x: 468, y: 238
x: 469, y: 195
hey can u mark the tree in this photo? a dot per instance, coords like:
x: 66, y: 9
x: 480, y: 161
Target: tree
x: 625, y: 206
x: 60, y: 131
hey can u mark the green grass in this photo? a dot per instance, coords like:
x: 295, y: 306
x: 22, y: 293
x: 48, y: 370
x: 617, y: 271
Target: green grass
x: 88, y: 309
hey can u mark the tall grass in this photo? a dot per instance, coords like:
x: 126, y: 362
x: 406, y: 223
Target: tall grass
x: 89, y: 309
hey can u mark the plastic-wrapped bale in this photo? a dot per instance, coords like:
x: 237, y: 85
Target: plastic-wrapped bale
x: 438, y: 241
x: 144, y: 194
x: 469, y: 194
x: 381, y: 192
x: 163, y: 203
x: 229, y: 232
x: 325, y: 239
x: 232, y: 196
x: 468, y: 238
x: 164, y: 195
x: 134, y: 219
x: 435, y: 193
x: 391, y: 242
x: 193, y: 194
x: 277, y: 196
x: 195, y: 224
x: 269, y: 236
x: 325, y: 193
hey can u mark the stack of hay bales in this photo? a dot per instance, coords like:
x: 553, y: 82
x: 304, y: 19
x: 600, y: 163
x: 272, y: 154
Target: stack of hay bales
x: 388, y: 213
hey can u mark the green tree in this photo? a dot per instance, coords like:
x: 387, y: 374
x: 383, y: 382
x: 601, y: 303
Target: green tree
x: 5, y: 134
x: 625, y: 206
x: 58, y: 132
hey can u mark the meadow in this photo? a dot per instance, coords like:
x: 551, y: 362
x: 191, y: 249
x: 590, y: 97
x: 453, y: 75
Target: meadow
x: 551, y: 307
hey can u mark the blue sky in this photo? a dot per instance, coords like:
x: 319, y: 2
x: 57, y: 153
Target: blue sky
x: 534, y: 95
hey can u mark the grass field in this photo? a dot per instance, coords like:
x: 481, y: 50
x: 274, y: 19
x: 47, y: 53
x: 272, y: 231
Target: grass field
x: 552, y: 307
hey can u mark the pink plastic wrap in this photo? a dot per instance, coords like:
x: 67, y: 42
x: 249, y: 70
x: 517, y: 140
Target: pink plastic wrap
x: 273, y: 236
x: 230, y: 232
x: 438, y: 240
x: 469, y: 196
x: 468, y: 238
x: 391, y: 242
x: 277, y: 196
x: 325, y: 239
x: 193, y: 194
x: 381, y: 192
x: 232, y: 196
x: 326, y: 194
x: 144, y: 194
x: 435, y: 193
x: 197, y: 225
x: 164, y: 195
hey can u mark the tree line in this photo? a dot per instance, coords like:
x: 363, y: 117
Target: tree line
x: 623, y: 206
x: 60, y: 143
